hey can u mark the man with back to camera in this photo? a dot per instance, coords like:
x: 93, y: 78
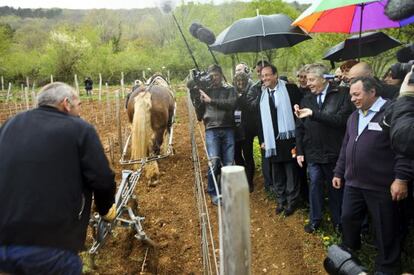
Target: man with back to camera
x: 215, y: 107
x: 276, y: 136
x: 51, y: 163
x: 375, y: 177
x: 319, y: 134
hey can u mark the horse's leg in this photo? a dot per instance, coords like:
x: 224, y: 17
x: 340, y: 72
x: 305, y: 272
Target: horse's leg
x: 158, y: 139
x: 170, y: 118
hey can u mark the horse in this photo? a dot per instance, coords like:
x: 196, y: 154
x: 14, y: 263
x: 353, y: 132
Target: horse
x: 150, y: 109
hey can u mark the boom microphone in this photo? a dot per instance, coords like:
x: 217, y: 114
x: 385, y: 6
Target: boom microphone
x: 194, y: 28
x: 201, y: 33
x: 399, y: 9
x: 206, y: 36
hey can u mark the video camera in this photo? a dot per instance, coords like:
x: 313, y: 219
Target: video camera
x: 405, y: 58
x: 201, y: 79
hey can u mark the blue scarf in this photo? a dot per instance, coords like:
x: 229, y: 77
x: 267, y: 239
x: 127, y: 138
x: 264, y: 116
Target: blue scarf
x: 285, y: 120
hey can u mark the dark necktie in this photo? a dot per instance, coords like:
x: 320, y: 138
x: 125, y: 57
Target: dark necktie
x: 320, y: 101
x: 272, y: 95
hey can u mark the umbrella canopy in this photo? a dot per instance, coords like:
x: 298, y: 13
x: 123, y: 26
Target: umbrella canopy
x: 372, y: 44
x: 347, y: 16
x: 259, y: 33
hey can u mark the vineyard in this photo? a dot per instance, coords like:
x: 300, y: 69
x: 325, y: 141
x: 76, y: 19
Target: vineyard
x: 279, y: 245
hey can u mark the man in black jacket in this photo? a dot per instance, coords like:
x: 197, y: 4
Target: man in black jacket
x: 252, y: 127
x: 319, y: 134
x: 244, y: 119
x: 274, y: 102
x: 215, y: 107
x: 51, y: 163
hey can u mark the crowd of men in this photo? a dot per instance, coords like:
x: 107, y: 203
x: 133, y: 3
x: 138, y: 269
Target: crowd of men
x: 325, y: 133
x: 343, y: 134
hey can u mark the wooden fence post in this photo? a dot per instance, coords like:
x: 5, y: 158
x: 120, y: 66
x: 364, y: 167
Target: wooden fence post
x: 118, y: 120
x: 34, y: 99
x: 2, y: 83
x: 108, y: 105
x: 26, y: 97
x: 51, y: 78
x: 100, y: 87
x: 77, y: 84
x: 27, y: 82
x: 235, y: 252
x: 122, y: 85
x: 8, y: 92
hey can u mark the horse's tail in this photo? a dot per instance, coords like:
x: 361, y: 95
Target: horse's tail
x: 141, y: 126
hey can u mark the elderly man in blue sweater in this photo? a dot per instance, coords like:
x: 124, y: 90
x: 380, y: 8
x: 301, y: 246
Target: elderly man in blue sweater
x: 375, y: 177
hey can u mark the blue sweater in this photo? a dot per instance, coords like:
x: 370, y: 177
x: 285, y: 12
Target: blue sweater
x: 367, y: 161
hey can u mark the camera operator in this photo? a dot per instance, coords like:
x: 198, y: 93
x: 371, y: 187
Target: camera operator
x: 214, y: 104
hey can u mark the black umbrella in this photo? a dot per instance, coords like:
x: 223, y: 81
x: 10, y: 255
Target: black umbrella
x: 372, y: 44
x: 259, y: 33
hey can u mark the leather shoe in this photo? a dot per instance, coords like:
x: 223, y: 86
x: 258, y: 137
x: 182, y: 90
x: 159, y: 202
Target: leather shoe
x: 310, y: 228
x: 279, y: 209
x: 289, y: 211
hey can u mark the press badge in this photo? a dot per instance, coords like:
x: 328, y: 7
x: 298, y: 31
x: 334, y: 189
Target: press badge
x: 374, y: 126
x: 237, y: 116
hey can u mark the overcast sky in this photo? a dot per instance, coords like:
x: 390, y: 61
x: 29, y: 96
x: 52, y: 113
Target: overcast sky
x: 108, y: 4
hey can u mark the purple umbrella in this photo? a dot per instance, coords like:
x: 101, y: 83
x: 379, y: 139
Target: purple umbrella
x: 347, y: 16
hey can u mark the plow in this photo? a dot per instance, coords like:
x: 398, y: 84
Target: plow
x: 126, y: 203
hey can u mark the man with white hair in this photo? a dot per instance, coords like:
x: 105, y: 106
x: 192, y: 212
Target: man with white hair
x: 319, y: 134
x: 51, y: 164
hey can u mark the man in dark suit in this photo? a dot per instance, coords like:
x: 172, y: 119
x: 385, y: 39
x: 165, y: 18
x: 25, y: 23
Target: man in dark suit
x: 319, y: 134
x: 274, y: 102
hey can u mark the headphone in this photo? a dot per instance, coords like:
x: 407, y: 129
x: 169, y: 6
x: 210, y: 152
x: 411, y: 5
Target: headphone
x: 246, y: 67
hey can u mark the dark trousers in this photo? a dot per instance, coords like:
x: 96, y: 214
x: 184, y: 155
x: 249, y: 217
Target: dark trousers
x: 285, y: 182
x: 384, y: 217
x: 39, y: 260
x: 243, y: 155
x: 267, y: 172
x: 303, y: 182
x: 321, y: 175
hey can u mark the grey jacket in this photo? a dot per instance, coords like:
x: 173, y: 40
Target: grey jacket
x: 219, y: 113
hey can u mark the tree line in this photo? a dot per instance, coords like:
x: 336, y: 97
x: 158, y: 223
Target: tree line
x: 89, y: 42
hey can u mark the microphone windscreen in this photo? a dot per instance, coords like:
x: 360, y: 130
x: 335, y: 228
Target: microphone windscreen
x: 399, y: 9
x: 194, y: 28
x: 405, y: 54
x: 206, y: 36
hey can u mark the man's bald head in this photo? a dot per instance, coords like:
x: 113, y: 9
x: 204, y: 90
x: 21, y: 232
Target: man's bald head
x: 360, y: 69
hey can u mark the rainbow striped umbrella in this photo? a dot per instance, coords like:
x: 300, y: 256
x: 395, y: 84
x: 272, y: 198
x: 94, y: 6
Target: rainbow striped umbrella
x: 347, y: 16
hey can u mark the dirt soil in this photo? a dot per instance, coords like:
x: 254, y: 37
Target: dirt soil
x: 279, y: 244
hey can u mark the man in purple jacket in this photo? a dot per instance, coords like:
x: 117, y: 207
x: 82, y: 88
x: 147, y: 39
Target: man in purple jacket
x: 375, y: 177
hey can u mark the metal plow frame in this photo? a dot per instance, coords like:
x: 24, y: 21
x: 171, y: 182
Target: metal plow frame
x: 125, y: 214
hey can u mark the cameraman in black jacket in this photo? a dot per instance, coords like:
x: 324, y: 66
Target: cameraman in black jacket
x: 215, y: 106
